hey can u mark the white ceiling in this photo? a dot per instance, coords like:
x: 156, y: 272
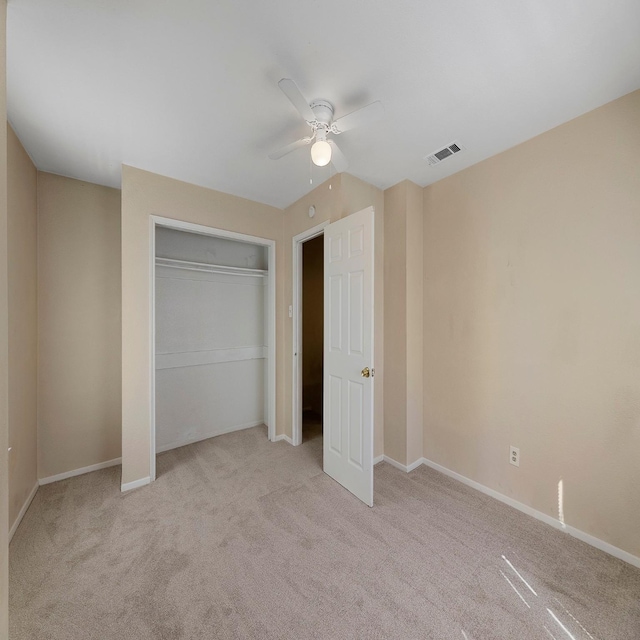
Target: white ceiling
x: 188, y: 88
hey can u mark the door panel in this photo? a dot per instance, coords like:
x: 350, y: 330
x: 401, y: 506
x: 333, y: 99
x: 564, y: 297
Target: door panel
x: 335, y: 417
x: 356, y: 327
x: 356, y: 398
x: 335, y: 302
x: 348, y: 352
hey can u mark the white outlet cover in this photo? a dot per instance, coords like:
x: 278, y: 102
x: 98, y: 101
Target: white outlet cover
x: 514, y: 456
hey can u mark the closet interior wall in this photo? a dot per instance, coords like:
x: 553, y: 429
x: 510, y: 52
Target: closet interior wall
x: 211, y: 336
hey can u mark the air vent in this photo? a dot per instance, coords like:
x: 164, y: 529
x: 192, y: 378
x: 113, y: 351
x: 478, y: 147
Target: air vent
x: 442, y: 154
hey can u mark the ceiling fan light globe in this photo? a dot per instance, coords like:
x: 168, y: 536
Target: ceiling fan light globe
x: 321, y: 153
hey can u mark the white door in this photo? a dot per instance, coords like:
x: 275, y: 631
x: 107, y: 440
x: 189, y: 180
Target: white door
x: 348, y: 353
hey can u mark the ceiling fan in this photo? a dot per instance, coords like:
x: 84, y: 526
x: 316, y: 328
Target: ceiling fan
x: 319, y: 116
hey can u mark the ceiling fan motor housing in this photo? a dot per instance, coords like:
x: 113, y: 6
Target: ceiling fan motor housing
x: 323, y: 111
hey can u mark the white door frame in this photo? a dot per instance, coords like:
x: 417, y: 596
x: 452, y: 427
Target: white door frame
x: 296, y: 395
x: 158, y: 221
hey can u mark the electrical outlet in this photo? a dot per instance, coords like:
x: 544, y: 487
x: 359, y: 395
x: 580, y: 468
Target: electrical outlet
x: 514, y: 456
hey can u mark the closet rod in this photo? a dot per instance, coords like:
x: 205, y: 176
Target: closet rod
x: 210, y: 268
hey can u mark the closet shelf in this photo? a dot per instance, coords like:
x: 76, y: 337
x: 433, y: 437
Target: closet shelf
x: 209, y: 268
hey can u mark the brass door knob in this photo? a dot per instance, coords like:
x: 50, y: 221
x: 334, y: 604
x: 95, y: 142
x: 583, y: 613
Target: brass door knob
x: 365, y: 373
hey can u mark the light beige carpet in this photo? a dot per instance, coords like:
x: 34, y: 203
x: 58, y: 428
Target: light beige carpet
x: 242, y: 538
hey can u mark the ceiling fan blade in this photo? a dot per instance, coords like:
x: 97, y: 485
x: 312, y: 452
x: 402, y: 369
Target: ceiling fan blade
x: 290, y: 89
x: 337, y: 157
x: 290, y: 147
x: 358, y: 118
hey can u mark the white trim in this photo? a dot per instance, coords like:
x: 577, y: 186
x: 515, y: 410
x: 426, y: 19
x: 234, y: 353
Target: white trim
x: 398, y: 465
x: 296, y: 391
x: 25, y: 506
x: 415, y: 464
x: 538, y: 515
x: 285, y: 437
x: 200, y: 438
x: 152, y: 350
x: 271, y: 347
x: 181, y: 225
x: 616, y: 552
x: 128, y: 486
x: 81, y: 471
x: 394, y: 463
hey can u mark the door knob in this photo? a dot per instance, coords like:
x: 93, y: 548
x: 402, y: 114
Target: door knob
x: 365, y: 373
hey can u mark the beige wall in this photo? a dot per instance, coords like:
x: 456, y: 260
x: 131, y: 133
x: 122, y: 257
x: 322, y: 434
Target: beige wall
x: 23, y: 328
x: 145, y: 194
x: 4, y: 343
x: 78, y: 324
x: 414, y: 319
x: 346, y: 195
x: 312, y: 323
x: 532, y: 322
x: 395, y: 314
x: 403, y: 322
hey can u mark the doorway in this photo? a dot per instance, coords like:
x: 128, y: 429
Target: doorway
x: 308, y: 334
x: 348, y: 349
x: 312, y: 337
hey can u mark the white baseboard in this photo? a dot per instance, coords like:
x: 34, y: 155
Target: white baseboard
x: 538, y: 515
x: 616, y: 552
x: 398, y: 465
x: 79, y: 472
x: 395, y: 463
x: 128, y: 486
x: 530, y: 511
x: 200, y: 438
x: 415, y: 464
x: 283, y: 436
x: 25, y: 506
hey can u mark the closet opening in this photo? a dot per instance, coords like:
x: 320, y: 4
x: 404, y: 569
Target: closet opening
x: 213, y: 334
x: 308, y: 335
